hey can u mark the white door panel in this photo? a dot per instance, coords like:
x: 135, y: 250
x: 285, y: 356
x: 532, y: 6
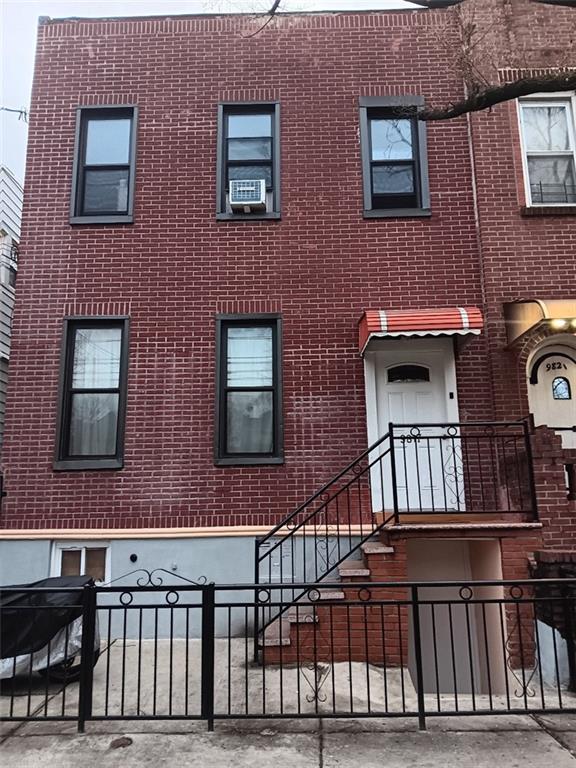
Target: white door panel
x: 411, y: 389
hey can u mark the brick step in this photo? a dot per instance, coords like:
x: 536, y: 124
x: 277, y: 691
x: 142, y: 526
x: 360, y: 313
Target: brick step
x: 279, y: 631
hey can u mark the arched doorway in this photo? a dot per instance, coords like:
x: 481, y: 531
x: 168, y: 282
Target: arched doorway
x: 552, y: 387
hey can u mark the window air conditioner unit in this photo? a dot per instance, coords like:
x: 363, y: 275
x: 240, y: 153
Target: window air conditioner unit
x: 247, y: 195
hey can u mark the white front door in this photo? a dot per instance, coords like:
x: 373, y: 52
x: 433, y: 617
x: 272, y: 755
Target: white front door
x: 552, y: 390
x: 415, y: 384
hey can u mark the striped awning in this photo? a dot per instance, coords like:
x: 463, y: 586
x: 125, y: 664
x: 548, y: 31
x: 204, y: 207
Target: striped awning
x: 448, y: 321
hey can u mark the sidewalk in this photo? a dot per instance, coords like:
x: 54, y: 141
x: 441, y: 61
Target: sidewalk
x: 475, y: 742
x: 507, y: 741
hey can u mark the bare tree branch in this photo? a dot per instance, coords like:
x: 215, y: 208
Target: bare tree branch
x: 564, y: 81
x: 270, y: 15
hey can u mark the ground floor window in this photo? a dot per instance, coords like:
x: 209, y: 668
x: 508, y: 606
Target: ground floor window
x: 81, y: 559
x: 248, y: 412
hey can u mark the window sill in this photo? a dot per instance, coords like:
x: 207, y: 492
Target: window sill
x: 84, y: 464
x: 397, y: 213
x: 548, y: 210
x: 101, y: 219
x: 248, y: 462
x: 274, y: 216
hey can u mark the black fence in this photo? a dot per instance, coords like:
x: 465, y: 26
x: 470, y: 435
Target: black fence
x: 382, y: 650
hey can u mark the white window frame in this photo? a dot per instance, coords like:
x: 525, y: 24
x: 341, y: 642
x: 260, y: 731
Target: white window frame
x: 61, y: 546
x: 547, y: 100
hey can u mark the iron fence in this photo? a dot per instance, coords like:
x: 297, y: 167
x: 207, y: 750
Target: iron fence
x: 350, y: 650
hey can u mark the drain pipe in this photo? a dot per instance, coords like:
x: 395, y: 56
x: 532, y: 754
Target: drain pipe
x: 480, y: 250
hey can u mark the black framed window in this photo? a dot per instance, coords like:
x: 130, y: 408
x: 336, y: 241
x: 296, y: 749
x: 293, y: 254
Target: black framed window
x: 93, y: 394
x: 248, y: 150
x: 104, y: 165
x: 249, y: 421
x: 394, y: 158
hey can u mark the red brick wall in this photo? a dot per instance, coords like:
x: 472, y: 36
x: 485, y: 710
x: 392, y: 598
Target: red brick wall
x: 320, y: 266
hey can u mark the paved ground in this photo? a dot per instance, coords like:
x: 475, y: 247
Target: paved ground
x: 487, y: 742
x: 509, y: 741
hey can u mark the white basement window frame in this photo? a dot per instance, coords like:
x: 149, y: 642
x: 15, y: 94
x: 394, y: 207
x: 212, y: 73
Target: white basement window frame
x: 59, y: 548
x: 563, y: 100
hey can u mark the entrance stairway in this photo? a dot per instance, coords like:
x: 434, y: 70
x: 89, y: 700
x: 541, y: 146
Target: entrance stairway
x: 427, y: 473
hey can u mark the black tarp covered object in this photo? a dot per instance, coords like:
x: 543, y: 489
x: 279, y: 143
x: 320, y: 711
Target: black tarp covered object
x: 29, y: 619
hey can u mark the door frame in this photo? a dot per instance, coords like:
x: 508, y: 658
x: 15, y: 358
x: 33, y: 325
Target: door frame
x: 413, y: 347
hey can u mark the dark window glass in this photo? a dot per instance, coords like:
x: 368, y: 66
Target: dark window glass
x: 407, y: 373
x: 249, y: 392
x: 561, y: 389
x: 393, y: 162
x: 94, y: 391
x: 248, y: 152
x: 394, y: 157
x: 104, y: 167
x: 251, y: 172
x: 105, y: 191
x: 71, y: 563
x: 94, y: 564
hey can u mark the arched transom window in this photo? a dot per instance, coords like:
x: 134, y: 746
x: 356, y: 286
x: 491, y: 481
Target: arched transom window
x: 408, y: 373
x: 561, y: 389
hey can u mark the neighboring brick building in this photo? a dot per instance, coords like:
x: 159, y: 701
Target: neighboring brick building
x: 148, y: 285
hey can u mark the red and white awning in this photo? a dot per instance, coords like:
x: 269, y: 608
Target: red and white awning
x: 390, y: 323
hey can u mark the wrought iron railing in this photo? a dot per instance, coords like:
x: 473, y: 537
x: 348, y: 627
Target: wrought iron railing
x: 427, y: 470
x: 569, y: 466
x: 414, y: 469
x: 170, y: 651
x: 553, y: 193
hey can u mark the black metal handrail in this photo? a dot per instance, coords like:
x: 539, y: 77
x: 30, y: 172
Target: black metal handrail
x: 424, y: 469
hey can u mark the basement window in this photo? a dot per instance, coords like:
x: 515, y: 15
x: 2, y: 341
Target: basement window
x: 81, y: 559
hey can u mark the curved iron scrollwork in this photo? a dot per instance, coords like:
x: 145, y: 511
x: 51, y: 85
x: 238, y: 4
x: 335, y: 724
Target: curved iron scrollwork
x: 514, y: 647
x: 155, y: 578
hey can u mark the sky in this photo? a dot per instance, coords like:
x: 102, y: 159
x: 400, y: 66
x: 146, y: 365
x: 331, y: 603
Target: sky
x: 18, y: 23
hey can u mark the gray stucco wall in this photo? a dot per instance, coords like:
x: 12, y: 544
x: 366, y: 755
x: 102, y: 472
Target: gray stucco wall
x: 22, y: 561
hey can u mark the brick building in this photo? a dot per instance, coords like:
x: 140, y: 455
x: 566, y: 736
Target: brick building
x: 243, y: 257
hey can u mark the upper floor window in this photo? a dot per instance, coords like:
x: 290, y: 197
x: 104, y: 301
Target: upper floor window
x: 394, y: 158
x: 248, y: 161
x: 104, y: 164
x: 93, y: 394
x: 249, y: 421
x: 549, y: 150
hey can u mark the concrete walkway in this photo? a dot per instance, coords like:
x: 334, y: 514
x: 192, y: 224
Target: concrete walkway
x: 506, y: 741
x: 475, y: 742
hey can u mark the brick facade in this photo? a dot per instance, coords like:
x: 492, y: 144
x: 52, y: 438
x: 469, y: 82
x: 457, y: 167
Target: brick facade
x: 320, y: 266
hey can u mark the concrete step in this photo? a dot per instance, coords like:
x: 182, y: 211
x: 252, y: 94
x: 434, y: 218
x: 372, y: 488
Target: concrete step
x: 351, y: 568
x: 276, y: 634
x: 304, y: 614
x: 376, y: 548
